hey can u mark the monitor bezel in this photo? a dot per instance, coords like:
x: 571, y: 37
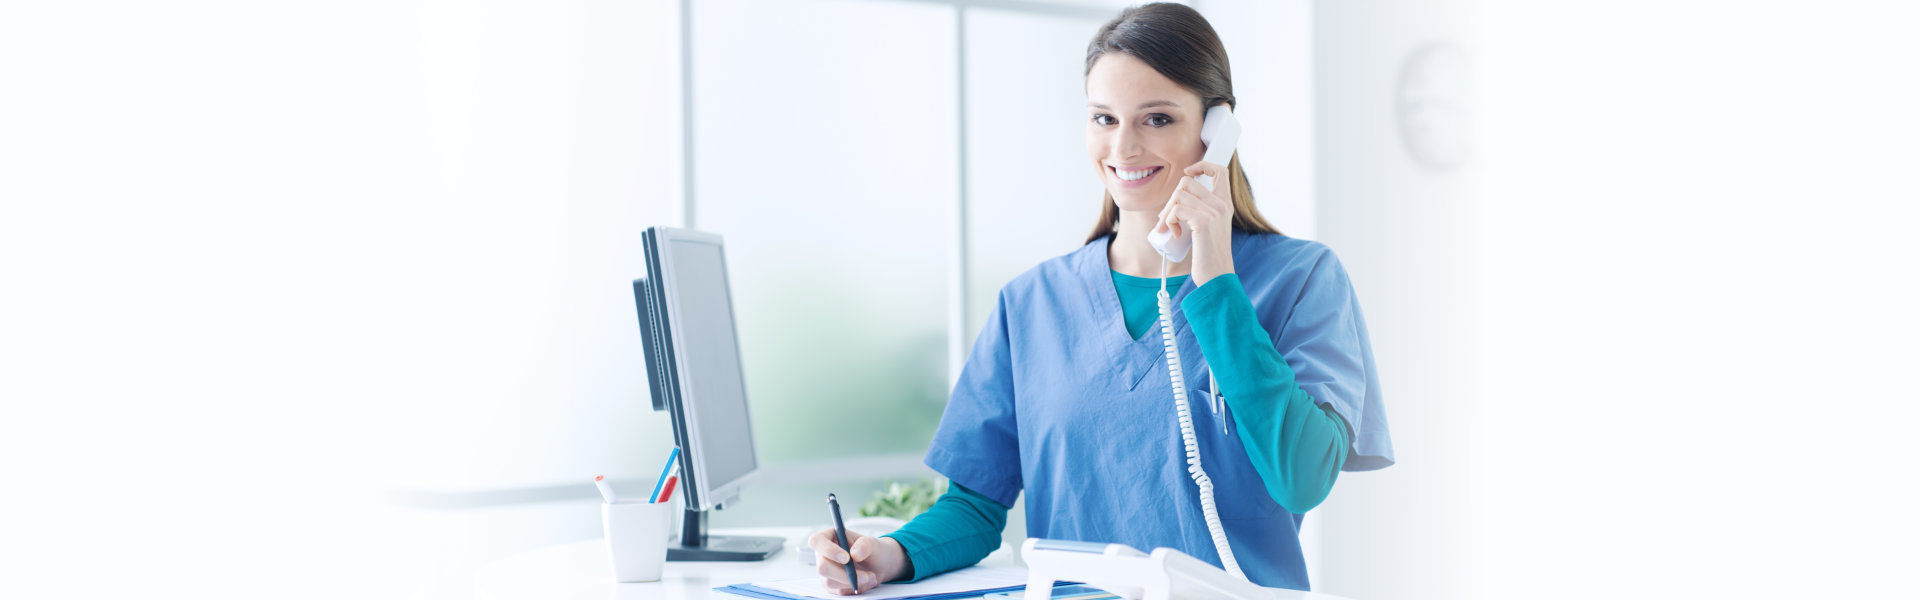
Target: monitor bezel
x: 707, y: 495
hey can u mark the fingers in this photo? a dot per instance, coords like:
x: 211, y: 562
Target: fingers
x: 1184, y: 206
x: 1190, y: 192
x: 1170, y: 201
x: 1199, y: 193
x: 1192, y: 195
x: 834, y: 574
x: 1175, y: 227
x: 832, y: 563
x: 1218, y: 172
x: 1166, y: 223
x: 862, y: 547
x: 1171, y: 205
x: 824, y: 546
x: 838, y: 584
x: 1193, y: 205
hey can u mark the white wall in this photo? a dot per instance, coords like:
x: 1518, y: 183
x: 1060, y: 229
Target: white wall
x: 1270, y: 46
x: 266, y: 261
x: 1398, y: 226
x: 1649, y: 341
x: 1739, y: 178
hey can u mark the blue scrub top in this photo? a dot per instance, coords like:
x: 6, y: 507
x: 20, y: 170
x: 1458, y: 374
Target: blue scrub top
x: 1057, y: 400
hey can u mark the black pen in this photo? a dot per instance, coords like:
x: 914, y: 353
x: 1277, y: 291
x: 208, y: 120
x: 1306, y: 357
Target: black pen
x: 840, y: 529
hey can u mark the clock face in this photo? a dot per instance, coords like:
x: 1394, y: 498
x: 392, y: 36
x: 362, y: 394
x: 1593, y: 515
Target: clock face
x: 1434, y: 106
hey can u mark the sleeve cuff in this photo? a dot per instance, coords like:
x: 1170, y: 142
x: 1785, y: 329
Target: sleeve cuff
x: 1207, y: 301
x: 917, y: 555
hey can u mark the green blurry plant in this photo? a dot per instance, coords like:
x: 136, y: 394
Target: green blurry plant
x: 904, y: 502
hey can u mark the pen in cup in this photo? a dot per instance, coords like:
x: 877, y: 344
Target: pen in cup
x: 606, y: 491
x: 668, y: 491
x: 664, y: 472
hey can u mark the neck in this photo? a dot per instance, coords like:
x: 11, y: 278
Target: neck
x: 1130, y: 254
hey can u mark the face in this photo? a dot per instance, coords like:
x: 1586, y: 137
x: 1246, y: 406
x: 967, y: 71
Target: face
x: 1140, y: 122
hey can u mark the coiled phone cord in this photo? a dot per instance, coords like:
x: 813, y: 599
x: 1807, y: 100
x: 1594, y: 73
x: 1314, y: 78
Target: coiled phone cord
x: 1199, y: 475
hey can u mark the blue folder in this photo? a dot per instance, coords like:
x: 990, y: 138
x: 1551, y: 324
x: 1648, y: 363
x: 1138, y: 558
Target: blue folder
x: 753, y: 591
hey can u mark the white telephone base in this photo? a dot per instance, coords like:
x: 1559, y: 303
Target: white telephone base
x: 1166, y: 574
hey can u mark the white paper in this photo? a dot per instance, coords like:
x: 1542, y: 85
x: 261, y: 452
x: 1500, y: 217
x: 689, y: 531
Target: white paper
x: 963, y: 580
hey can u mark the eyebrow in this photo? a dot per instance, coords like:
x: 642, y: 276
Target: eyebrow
x: 1149, y: 104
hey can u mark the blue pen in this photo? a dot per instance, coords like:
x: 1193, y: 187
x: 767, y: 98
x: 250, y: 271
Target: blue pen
x: 671, y: 456
x: 840, y: 530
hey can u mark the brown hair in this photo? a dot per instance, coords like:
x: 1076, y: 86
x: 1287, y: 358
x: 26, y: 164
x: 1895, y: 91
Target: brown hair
x: 1181, y: 45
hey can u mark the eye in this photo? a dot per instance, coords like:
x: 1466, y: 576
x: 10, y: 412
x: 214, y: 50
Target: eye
x: 1163, y: 120
x: 1097, y: 119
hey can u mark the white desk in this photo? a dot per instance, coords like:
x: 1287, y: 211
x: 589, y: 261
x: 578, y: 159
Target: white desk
x: 580, y: 570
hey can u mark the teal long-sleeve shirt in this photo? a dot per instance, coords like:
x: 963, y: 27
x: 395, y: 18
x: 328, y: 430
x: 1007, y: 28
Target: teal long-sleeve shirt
x: 1296, y: 445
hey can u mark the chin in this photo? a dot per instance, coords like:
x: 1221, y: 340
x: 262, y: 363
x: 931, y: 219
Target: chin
x: 1137, y: 201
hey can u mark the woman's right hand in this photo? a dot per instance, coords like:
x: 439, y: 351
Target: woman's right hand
x: 874, y: 560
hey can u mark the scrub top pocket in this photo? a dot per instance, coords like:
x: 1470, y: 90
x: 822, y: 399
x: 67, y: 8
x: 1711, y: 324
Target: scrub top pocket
x: 1238, y: 491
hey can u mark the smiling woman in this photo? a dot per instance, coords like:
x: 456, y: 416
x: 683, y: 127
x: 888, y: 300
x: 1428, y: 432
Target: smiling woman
x: 1065, y: 400
x: 1171, y: 55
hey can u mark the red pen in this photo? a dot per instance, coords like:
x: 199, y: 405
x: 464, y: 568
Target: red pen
x: 667, y: 490
x: 606, y: 491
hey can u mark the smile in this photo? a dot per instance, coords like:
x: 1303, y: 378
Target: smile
x: 1132, y: 178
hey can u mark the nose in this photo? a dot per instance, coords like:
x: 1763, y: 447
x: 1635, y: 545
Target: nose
x: 1125, y: 143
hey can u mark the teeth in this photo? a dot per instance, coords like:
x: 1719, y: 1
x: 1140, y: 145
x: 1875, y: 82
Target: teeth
x: 1133, y: 175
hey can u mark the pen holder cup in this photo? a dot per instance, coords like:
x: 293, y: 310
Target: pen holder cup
x: 637, y: 536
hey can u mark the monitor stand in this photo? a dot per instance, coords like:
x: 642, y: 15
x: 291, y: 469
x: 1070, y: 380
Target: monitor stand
x: 696, y: 545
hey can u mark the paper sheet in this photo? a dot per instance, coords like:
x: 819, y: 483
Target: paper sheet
x: 962, y: 580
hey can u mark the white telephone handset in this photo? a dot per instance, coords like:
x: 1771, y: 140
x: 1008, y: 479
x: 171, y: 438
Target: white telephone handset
x: 1221, y: 133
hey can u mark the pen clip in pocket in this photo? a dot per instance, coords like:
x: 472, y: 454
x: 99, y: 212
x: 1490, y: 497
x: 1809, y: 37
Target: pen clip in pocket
x: 1216, y: 404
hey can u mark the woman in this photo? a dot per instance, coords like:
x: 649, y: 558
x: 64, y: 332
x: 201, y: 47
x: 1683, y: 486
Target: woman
x: 1066, y: 394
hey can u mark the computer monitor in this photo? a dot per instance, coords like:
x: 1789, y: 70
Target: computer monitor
x: 693, y: 370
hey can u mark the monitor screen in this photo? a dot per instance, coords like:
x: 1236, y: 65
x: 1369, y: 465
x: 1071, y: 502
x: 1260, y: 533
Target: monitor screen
x: 713, y: 386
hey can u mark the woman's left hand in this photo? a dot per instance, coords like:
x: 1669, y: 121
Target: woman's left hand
x: 1206, y: 213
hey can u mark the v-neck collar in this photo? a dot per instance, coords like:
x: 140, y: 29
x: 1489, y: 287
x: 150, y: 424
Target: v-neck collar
x: 1141, y: 292
x: 1133, y: 358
